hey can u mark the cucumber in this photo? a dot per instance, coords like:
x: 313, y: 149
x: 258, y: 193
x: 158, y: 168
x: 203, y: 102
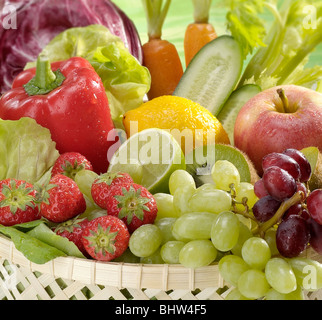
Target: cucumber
x: 212, y: 74
x: 228, y: 114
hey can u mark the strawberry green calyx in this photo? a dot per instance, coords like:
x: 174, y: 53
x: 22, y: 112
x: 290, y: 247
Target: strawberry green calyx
x: 70, y: 225
x: 17, y: 197
x: 132, y: 204
x: 102, y: 240
x: 42, y: 195
x: 109, y: 177
x: 71, y: 169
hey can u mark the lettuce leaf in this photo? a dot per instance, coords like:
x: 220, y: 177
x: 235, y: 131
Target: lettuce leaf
x: 32, y: 248
x: 26, y: 150
x: 125, y: 80
x: 46, y: 235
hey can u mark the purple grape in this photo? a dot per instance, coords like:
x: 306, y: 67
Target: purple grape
x: 265, y: 208
x: 301, y: 187
x: 297, y: 210
x: 316, y: 235
x: 314, y: 205
x: 292, y: 236
x: 305, y: 167
x: 279, y: 183
x: 282, y: 161
x: 259, y: 189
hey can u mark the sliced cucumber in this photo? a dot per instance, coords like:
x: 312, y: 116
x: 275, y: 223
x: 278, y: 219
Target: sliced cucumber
x: 212, y: 74
x: 228, y: 114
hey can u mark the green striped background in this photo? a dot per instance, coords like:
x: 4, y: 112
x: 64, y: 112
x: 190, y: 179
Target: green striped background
x: 179, y: 16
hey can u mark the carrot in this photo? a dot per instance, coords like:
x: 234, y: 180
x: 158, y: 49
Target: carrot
x: 160, y: 56
x: 200, y: 32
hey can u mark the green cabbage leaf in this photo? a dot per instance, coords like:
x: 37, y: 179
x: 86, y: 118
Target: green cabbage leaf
x: 26, y: 150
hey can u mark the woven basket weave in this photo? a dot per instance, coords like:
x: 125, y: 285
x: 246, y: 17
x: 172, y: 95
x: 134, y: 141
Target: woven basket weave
x: 66, y: 278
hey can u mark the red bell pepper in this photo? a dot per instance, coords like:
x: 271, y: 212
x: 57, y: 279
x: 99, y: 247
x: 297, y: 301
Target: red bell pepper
x: 69, y: 99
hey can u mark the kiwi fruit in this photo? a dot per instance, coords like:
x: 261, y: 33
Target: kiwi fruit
x: 314, y: 156
x: 200, y: 161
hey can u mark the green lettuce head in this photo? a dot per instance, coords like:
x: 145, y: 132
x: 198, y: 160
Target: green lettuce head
x: 125, y: 80
x: 26, y: 150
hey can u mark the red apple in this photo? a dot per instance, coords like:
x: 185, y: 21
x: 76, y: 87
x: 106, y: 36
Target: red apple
x: 279, y: 118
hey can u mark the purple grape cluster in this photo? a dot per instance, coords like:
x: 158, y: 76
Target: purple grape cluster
x: 284, y: 175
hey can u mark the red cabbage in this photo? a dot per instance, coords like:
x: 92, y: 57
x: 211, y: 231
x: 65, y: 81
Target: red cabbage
x: 39, y: 21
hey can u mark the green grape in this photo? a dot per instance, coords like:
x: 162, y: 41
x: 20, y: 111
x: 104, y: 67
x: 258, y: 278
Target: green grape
x: 197, y: 253
x: 165, y: 206
x: 214, y: 201
x: 280, y: 275
x: 244, y: 234
x: 127, y: 257
x: 272, y: 294
x: 207, y: 187
x: 246, y: 221
x: 256, y: 252
x: 308, y: 273
x: 245, y: 190
x: 133, y: 167
x: 234, y: 294
x: 224, y: 173
x: 253, y: 284
x: 194, y: 225
x: 225, y: 231
x: 231, y: 268
x: 165, y: 226
x: 92, y: 212
x: 170, y: 251
x: 84, y: 180
x: 145, y: 240
x: 154, y: 258
x: 270, y: 238
x: 181, y: 198
x: 180, y: 178
x: 220, y: 255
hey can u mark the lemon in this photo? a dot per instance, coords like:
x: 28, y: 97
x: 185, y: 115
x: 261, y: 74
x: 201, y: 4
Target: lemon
x: 153, y: 154
x: 191, y: 124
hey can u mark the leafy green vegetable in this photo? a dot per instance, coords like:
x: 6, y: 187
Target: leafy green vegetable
x: 244, y: 23
x: 44, y: 234
x: 32, y: 248
x: 26, y: 149
x: 125, y: 80
x: 283, y: 49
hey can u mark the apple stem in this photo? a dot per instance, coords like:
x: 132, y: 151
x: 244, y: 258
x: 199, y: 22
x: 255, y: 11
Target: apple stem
x: 285, y: 104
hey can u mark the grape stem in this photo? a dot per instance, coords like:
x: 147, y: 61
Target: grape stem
x: 244, y: 203
x: 262, y: 228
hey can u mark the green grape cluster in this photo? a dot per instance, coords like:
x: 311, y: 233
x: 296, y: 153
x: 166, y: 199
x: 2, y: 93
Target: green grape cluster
x: 213, y: 223
x: 189, y: 220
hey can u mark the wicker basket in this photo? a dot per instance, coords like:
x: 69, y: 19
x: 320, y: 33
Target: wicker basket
x: 66, y: 278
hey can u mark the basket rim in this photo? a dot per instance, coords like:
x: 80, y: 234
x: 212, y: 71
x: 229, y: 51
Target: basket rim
x: 125, y: 275
x: 118, y: 274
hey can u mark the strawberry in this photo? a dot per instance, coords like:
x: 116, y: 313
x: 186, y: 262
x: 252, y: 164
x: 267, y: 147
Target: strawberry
x: 101, y: 186
x: 61, y: 199
x: 69, y: 163
x: 72, y: 229
x: 17, y: 202
x: 132, y: 203
x: 105, y: 238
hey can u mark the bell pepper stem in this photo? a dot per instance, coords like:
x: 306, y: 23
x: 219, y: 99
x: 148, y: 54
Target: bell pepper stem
x: 45, y: 80
x: 44, y: 75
